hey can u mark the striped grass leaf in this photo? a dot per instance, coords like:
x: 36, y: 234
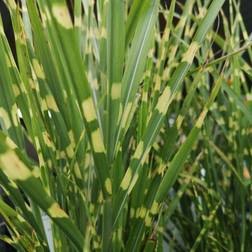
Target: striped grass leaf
x: 27, y: 179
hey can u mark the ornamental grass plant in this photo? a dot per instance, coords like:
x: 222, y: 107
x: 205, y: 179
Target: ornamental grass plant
x: 140, y: 114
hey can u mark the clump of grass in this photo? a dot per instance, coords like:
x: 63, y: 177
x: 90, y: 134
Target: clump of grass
x: 213, y: 210
x: 115, y: 107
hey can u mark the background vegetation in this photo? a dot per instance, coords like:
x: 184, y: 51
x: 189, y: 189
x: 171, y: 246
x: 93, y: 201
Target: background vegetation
x: 140, y: 116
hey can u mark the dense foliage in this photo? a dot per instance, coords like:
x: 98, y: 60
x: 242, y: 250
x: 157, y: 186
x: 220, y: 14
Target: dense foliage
x: 140, y: 114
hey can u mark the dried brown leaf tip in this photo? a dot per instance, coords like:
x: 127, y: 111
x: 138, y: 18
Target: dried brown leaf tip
x: 246, y: 173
